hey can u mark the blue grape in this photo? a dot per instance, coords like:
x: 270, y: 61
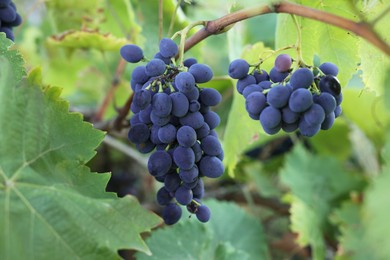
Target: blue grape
x: 326, y: 101
x: 198, y: 152
x: 14, y: 23
x: 244, y: 82
x: 131, y: 53
x: 203, y: 131
x: 8, y: 32
x: 7, y: 14
x: 272, y: 131
x: 186, y: 136
x: 135, y: 119
x: 184, y: 157
x: 330, y: 84
x: 283, y: 63
x: 159, y: 120
x: 238, y: 69
x: 154, y: 134
x: 155, y: 67
x: 277, y: 76
x: 315, y: 115
x: 212, y: 119
x: 180, y: 104
x: 339, y: 99
x: 194, y: 106
x: 134, y: 108
x: 159, y: 163
x: 189, y: 175
x: 265, y: 84
x: 211, y: 145
x: 300, y: 100
x: 308, y: 130
x: 171, y: 213
x: 302, y: 78
x: 191, y: 185
x: 211, y: 166
x: 184, y: 81
x: 210, y: 97
x: 162, y: 104
x: 139, y: 75
x: 172, y: 181
x: 163, y: 197
x: 183, y: 195
x: 142, y: 98
x: 278, y: 96
x: 288, y: 128
x: 255, y: 103
x: 189, y: 62
x: 270, y: 117
x: 203, y: 213
x: 168, y: 48
x: 145, y: 147
x: 329, y: 68
x: 288, y: 116
x: 198, y: 190
x: 139, y: 133
x: 201, y: 72
x: 338, y: 111
x: 194, y: 120
x: 167, y: 134
x: 250, y: 89
x: 328, y: 121
x: 144, y: 115
x: 192, y: 94
x: 167, y: 61
x: 261, y: 76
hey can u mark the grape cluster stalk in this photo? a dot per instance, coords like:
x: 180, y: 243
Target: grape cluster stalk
x: 9, y: 18
x: 305, y: 99
x: 173, y: 120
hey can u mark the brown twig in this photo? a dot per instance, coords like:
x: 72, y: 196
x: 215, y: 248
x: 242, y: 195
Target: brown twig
x: 361, y: 29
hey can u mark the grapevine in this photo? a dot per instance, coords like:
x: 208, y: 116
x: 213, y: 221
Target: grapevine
x: 9, y: 18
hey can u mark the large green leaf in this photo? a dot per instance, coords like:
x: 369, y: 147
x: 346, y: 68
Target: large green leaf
x: 328, y: 42
x: 230, y: 234
x: 51, y: 205
x: 13, y: 57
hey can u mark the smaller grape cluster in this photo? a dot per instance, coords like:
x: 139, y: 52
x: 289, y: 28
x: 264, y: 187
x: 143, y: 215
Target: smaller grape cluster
x: 9, y: 18
x: 307, y: 99
x: 172, y: 118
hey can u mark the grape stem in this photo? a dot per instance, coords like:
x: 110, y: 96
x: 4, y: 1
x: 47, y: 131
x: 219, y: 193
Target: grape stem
x: 361, y: 28
x: 298, y: 48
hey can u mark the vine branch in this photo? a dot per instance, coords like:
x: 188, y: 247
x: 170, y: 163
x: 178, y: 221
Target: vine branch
x: 362, y: 29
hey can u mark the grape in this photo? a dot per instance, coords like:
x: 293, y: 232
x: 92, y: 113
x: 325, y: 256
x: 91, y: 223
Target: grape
x: 198, y: 152
x: 302, y: 78
x: 337, y: 111
x: 212, y: 119
x: 186, y: 136
x: 142, y: 98
x: 189, y: 62
x: 184, y: 157
x: 326, y: 101
x: 192, y: 94
x: 331, y: 85
x: 238, y: 69
x: 184, y: 81
x: 203, y: 213
x: 201, y: 72
x: 315, y: 115
x: 183, y: 195
x: 308, y: 130
x: 167, y: 61
x: 278, y: 96
x: 167, y: 134
x: 5, y: 2
x: 159, y: 120
x: 134, y: 108
x: 339, y: 99
x: 265, y: 84
x: 8, y: 32
x: 155, y: 67
x: 277, y: 76
x: 144, y: 115
x: 139, y: 75
x: 288, y: 116
x: 300, y: 100
x: 198, y: 190
x: 272, y: 131
x: 250, y: 89
x: 171, y: 213
x: 211, y: 166
x: 195, y: 120
x: 180, y: 104
x: 261, y: 76
x: 14, y: 23
x: 288, y: 128
x: 210, y: 97
x: 139, y: 133
x: 168, y: 48
x: 270, y: 117
x: 172, y: 181
x: 162, y: 104
x: 203, y: 131
x: 255, y: 103
x: 194, y: 106
x: 211, y: 145
x: 328, y: 121
x: 163, y: 197
x: 131, y: 53
x: 7, y: 14
x: 283, y: 63
x: 190, y: 175
x: 146, y: 147
x: 190, y: 185
x: 329, y: 68
x: 154, y: 134
x: 244, y: 82
x: 159, y: 163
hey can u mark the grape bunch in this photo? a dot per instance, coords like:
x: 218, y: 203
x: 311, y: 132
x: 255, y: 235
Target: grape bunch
x: 307, y: 99
x: 8, y: 18
x: 172, y: 118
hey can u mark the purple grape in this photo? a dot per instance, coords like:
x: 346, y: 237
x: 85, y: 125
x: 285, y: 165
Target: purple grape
x: 244, y: 82
x: 211, y: 166
x: 326, y: 101
x: 159, y: 120
x: 277, y: 76
x: 203, y: 131
x: 238, y: 69
x: 138, y: 133
x: 186, y: 136
x: 212, y: 119
x: 131, y: 53
x: 331, y: 85
x: 8, y: 32
x: 189, y: 62
x: 198, y: 190
x: 185, y: 82
x: 203, y: 213
x: 183, y: 195
x: 190, y: 175
x: 211, y: 145
x: 167, y: 61
x: 255, y: 103
x: 201, y: 72
x: 328, y: 121
x: 163, y: 197
x: 159, y: 163
x: 167, y: 134
x: 329, y: 68
x: 278, y: 96
x: 210, y: 97
x: 180, y: 104
x: 139, y: 75
x: 7, y: 14
x: 168, y: 48
x: 162, y: 104
x: 283, y: 63
x: 302, y: 78
x: 308, y: 130
x: 289, y: 128
x: 142, y: 98
x: 288, y: 116
x: 194, y: 106
x: 315, y: 115
x: 250, y: 89
x: 146, y: 147
x: 155, y: 67
x: 265, y: 84
x: 198, y: 152
x: 184, y: 157
x: 194, y: 120
x: 263, y: 76
x: 144, y: 115
x: 171, y: 213
x: 172, y: 181
x: 338, y: 111
x: 270, y: 117
x: 272, y: 131
x: 300, y: 100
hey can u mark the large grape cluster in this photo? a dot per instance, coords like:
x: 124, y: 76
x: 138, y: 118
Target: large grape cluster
x: 172, y: 118
x: 8, y: 18
x: 307, y: 99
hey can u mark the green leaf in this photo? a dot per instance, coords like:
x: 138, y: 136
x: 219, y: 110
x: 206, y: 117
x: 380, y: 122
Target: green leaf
x: 316, y: 183
x: 87, y: 40
x: 51, y: 205
x: 13, y: 57
x: 229, y: 234
x: 328, y: 42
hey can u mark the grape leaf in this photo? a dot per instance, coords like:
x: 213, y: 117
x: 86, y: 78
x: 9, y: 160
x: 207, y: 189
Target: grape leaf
x: 51, y: 205
x: 316, y: 183
x: 229, y: 234
x: 13, y: 57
